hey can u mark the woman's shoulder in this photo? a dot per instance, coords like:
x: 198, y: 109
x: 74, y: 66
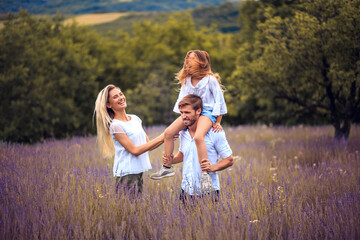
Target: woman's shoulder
x: 115, y: 122
x: 135, y: 117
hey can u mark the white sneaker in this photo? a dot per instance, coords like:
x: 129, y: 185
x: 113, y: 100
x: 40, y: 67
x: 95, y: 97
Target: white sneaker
x: 206, y: 183
x: 163, y: 173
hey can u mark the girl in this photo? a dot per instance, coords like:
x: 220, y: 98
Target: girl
x: 197, y: 78
x: 123, y: 134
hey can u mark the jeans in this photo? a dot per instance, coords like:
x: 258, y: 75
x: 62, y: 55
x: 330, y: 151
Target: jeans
x: 131, y: 183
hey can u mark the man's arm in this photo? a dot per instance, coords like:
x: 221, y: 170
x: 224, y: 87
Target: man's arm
x: 224, y: 163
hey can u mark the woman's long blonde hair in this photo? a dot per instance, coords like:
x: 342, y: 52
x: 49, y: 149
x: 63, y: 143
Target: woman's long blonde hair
x: 104, y: 116
x: 200, y: 69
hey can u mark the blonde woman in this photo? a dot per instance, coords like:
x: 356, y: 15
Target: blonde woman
x: 123, y: 134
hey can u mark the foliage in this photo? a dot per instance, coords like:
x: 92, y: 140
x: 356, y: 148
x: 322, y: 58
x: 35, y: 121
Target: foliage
x: 223, y: 17
x: 310, y: 60
x: 159, y: 51
x: 292, y: 62
x: 286, y: 183
x: 127, y: 22
x: 51, y: 73
x: 47, y: 79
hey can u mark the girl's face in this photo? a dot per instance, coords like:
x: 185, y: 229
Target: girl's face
x: 117, y: 100
x: 191, y: 59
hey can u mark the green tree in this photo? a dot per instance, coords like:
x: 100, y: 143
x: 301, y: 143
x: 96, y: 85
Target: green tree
x: 311, y: 60
x: 47, y: 78
x: 159, y: 51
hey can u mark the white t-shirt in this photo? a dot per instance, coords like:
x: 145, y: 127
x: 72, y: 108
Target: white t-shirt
x: 125, y: 163
x: 216, y: 144
x: 210, y: 92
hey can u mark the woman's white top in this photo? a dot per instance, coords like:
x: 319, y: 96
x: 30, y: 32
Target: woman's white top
x: 125, y: 163
x: 210, y: 92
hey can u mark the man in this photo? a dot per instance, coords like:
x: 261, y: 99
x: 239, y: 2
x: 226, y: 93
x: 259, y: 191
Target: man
x: 216, y: 143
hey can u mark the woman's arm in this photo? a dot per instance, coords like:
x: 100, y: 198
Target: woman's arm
x: 125, y: 141
x: 179, y: 157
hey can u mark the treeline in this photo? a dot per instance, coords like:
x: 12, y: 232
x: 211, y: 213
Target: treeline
x: 93, y: 6
x: 281, y: 68
x: 225, y: 17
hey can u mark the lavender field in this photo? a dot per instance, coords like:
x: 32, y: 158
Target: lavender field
x: 286, y: 183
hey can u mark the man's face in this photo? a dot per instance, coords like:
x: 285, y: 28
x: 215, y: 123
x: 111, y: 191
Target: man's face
x: 189, y: 115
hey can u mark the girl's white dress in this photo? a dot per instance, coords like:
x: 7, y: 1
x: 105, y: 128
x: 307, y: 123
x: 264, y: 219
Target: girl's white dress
x: 210, y: 92
x: 125, y: 163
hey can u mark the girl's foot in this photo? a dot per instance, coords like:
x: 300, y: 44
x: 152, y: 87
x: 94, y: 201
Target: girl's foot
x: 206, y: 183
x: 163, y: 173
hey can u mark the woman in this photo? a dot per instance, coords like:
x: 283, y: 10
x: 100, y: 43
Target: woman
x: 123, y: 134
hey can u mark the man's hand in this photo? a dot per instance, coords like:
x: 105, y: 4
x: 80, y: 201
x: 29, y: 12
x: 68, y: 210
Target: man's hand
x: 217, y: 127
x: 206, y: 166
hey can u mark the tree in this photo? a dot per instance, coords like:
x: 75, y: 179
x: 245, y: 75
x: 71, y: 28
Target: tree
x: 159, y: 51
x: 311, y: 60
x: 47, y: 78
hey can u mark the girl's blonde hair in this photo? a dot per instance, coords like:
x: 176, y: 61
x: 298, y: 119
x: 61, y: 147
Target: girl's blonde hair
x: 200, y: 68
x: 104, y: 116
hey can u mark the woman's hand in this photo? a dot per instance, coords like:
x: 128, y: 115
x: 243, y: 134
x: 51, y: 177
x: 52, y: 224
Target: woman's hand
x: 167, y: 160
x: 217, y: 127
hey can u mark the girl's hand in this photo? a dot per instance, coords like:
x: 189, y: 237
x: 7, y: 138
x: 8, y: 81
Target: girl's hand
x: 217, y: 127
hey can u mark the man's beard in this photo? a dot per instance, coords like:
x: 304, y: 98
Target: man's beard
x: 190, y: 122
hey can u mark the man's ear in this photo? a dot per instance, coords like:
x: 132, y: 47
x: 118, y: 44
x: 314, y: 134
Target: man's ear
x: 198, y: 112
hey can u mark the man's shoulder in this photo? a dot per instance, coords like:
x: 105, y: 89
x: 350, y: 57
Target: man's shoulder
x: 216, y: 135
x: 184, y: 134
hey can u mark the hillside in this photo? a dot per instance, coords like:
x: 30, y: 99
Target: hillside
x: 225, y: 17
x: 104, y: 6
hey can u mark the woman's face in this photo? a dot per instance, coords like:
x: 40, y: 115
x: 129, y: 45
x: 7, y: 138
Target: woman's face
x: 117, y: 100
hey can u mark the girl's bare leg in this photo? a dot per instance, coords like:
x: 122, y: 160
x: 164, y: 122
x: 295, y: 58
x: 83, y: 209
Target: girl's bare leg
x: 203, y: 126
x: 169, y: 134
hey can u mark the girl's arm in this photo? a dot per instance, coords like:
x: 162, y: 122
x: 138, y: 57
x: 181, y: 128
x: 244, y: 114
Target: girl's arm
x: 125, y: 141
x: 216, y: 126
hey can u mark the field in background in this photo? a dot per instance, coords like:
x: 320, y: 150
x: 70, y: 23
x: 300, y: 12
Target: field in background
x: 286, y: 183
x: 225, y: 17
x: 127, y: 22
x: 93, y: 19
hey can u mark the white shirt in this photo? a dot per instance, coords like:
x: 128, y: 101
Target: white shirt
x: 125, y: 163
x: 216, y: 144
x: 210, y: 92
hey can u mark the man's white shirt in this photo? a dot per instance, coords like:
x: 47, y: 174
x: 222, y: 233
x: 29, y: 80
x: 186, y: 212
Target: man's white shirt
x: 217, y: 145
